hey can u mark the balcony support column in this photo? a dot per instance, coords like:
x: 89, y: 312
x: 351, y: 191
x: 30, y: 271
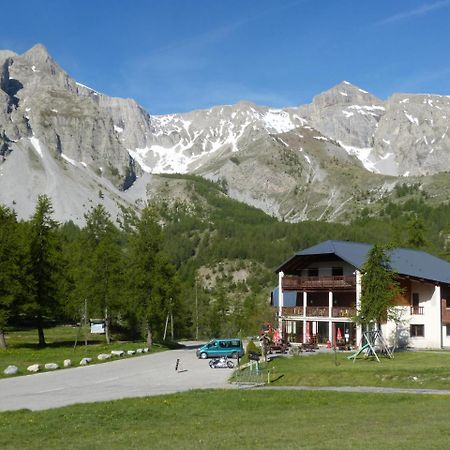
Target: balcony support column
x: 358, y: 305
x: 280, y: 302
x: 330, y: 303
x: 305, y: 302
x: 330, y: 314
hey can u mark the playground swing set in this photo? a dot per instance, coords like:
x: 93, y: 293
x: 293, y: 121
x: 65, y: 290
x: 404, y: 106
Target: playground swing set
x: 372, y: 341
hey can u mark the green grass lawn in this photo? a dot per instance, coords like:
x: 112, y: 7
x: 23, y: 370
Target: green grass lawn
x: 23, y: 349
x: 406, y: 370
x: 237, y: 419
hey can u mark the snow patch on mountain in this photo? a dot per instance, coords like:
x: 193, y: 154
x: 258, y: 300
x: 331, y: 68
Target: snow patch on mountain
x: 69, y: 160
x: 37, y: 146
x: 363, y: 154
x: 279, y: 121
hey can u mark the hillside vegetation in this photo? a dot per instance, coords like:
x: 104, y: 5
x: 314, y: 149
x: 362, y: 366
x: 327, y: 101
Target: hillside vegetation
x: 206, y: 261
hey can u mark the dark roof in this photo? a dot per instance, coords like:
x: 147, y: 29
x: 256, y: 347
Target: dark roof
x: 404, y: 261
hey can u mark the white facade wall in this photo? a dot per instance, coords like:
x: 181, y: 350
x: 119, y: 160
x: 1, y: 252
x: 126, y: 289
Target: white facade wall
x: 445, y: 338
x: 430, y: 300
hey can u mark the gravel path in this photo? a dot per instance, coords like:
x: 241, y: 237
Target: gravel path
x: 363, y: 389
x: 141, y: 376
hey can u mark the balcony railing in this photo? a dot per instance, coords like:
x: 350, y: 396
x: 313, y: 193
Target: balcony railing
x: 292, y: 310
x: 416, y: 310
x: 343, y: 311
x: 293, y: 283
x: 319, y: 311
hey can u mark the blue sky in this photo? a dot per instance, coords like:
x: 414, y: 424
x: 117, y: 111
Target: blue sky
x: 179, y: 55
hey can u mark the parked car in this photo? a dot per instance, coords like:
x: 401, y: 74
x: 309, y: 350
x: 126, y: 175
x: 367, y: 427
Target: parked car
x: 221, y: 347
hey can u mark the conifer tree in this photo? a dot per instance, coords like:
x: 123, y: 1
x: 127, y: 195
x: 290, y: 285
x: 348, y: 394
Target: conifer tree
x: 152, y: 284
x: 99, y: 270
x: 416, y: 233
x: 379, y: 288
x: 44, y: 265
x: 10, y: 273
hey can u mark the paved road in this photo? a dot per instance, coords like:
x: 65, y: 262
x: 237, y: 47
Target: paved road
x: 141, y: 376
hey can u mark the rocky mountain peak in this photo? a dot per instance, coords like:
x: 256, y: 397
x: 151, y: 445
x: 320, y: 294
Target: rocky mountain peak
x: 38, y: 51
x: 345, y: 93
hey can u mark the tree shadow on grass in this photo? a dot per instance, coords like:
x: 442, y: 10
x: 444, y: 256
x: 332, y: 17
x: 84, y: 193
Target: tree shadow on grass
x: 274, y: 380
x: 59, y: 344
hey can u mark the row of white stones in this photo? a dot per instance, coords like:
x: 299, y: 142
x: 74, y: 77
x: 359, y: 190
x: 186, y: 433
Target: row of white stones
x: 14, y: 370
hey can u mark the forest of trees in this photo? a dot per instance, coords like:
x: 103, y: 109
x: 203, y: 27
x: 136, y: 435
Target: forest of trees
x: 149, y: 264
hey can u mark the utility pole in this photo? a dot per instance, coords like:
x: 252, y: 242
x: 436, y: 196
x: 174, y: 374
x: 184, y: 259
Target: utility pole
x: 196, y: 310
x: 85, y: 322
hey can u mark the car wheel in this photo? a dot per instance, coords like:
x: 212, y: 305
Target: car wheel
x: 203, y: 355
x: 230, y: 364
x: 211, y: 364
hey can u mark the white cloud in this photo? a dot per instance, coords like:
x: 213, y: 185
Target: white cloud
x: 420, y: 11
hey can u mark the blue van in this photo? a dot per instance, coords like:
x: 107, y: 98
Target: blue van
x: 221, y: 347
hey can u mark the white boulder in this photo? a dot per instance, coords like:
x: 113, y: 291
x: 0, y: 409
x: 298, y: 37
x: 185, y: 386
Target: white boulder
x: 34, y: 368
x: 67, y: 363
x: 85, y: 361
x: 139, y: 350
x: 103, y: 356
x: 51, y: 366
x: 145, y: 350
x: 131, y: 352
x: 117, y: 352
x: 11, y: 370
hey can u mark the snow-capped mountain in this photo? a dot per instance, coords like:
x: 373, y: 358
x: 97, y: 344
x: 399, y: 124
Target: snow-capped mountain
x: 80, y: 146
x: 184, y: 142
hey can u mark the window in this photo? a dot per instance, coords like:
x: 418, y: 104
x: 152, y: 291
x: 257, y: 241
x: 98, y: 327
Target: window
x: 313, y: 272
x: 415, y: 299
x: 417, y: 331
x: 337, y: 271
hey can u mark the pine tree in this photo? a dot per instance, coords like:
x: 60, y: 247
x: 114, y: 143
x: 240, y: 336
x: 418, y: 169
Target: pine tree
x: 416, y: 233
x: 10, y: 262
x: 44, y: 252
x: 379, y: 288
x: 152, y: 284
x: 98, y: 272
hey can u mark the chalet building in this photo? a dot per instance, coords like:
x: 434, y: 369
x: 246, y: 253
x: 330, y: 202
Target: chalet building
x: 319, y: 291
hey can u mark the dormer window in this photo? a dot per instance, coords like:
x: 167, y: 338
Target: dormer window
x: 337, y: 271
x: 313, y: 272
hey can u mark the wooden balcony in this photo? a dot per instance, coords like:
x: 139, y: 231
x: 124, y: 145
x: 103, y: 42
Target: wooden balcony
x: 295, y: 283
x: 292, y: 310
x: 319, y: 311
x: 344, y: 311
x: 416, y: 310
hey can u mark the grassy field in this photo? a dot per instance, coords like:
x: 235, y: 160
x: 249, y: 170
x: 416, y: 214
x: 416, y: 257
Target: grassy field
x: 23, y: 350
x: 406, y: 370
x: 237, y: 419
